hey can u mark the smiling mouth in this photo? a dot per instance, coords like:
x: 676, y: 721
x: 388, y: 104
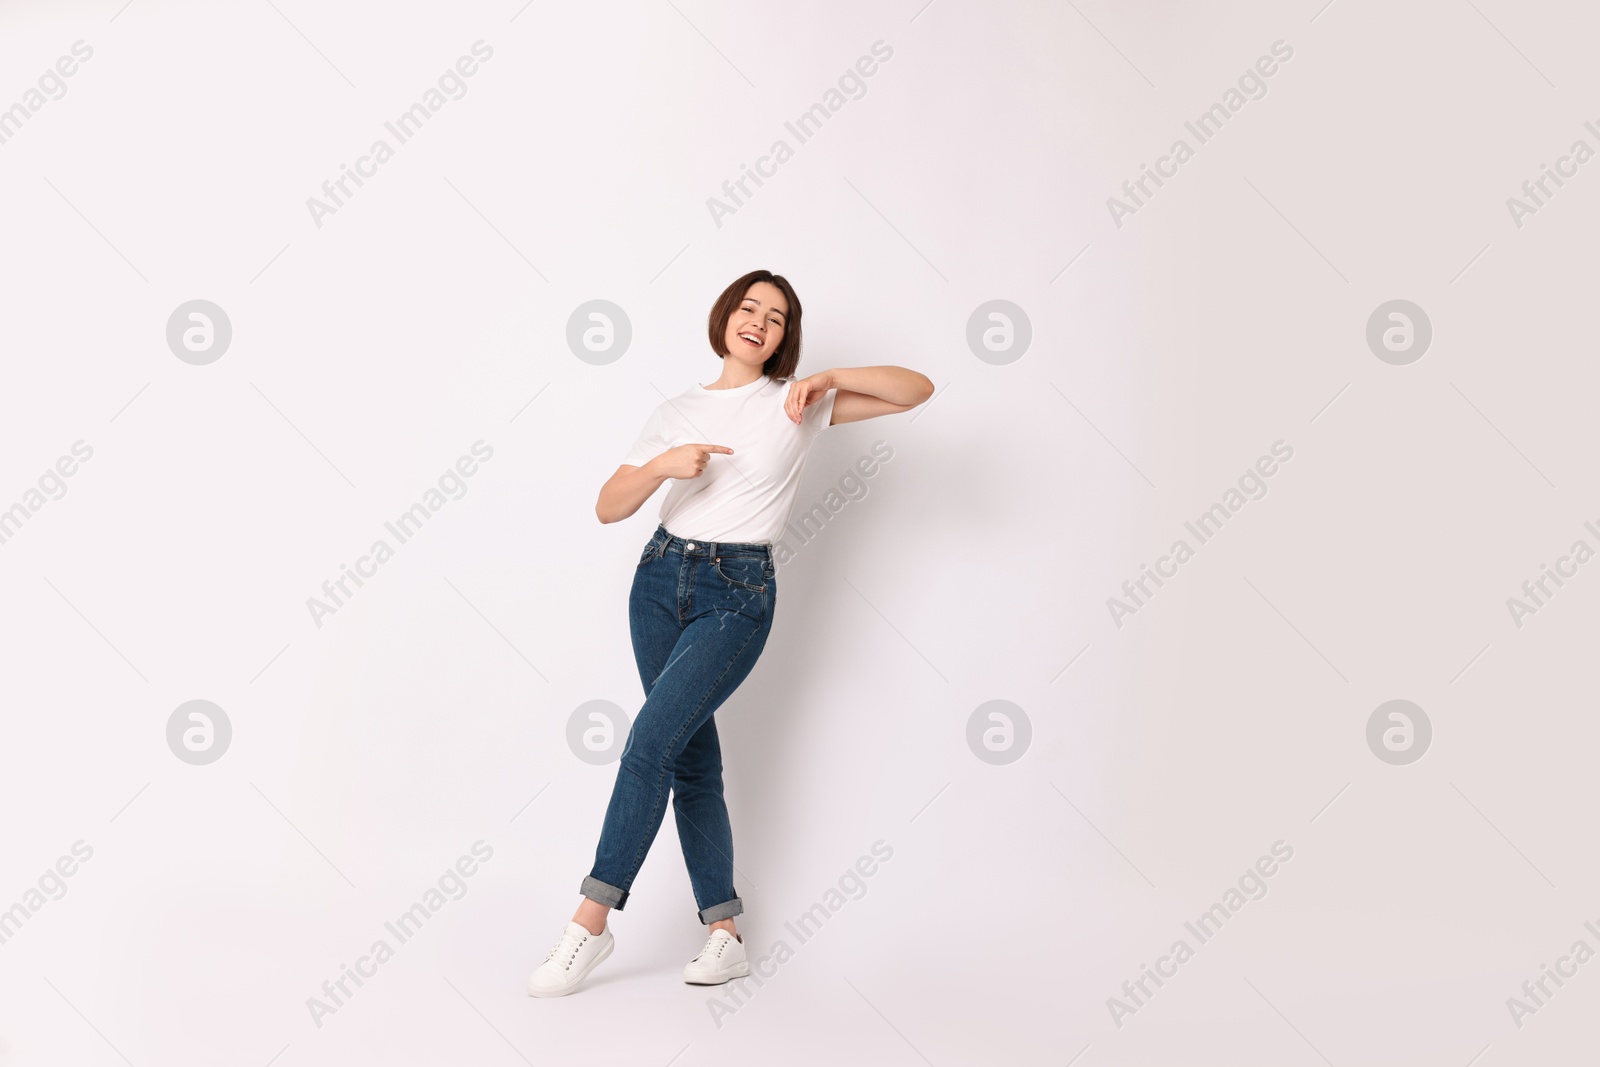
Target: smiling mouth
x: 747, y: 339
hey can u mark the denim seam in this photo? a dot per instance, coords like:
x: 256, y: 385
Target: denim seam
x: 696, y: 828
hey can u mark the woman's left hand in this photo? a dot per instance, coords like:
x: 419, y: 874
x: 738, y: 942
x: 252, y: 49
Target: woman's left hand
x: 803, y: 392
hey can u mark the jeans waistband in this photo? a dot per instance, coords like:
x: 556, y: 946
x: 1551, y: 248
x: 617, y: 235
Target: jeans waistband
x: 668, y: 542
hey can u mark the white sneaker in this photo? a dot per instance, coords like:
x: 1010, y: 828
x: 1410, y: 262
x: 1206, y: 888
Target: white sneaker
x: 722, y: 959
x: 576, y: 954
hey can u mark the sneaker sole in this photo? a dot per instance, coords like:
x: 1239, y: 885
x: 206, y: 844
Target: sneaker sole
x: 598, y: 959
x: 740, y: 970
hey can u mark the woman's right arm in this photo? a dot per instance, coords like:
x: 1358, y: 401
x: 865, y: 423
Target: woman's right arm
x: 627, y: 490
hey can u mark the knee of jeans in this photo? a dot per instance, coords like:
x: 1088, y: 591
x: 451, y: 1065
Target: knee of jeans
x: 698, y: 779
x: 644, y: 762
x: 684, y: 788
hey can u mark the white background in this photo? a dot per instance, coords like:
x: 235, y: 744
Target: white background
x: 1167, y: 354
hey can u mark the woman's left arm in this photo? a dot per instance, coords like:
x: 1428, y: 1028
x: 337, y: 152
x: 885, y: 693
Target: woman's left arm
x: 864, y: 392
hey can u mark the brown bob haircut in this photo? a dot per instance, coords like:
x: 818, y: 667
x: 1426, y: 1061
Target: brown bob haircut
x: 783, y: 361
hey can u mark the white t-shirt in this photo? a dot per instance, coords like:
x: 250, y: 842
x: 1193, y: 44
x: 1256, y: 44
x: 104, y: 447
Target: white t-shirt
x: 746, y: 496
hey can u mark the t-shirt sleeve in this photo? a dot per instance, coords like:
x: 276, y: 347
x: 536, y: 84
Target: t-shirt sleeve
x: 819, y: 414
x: 652, y: 441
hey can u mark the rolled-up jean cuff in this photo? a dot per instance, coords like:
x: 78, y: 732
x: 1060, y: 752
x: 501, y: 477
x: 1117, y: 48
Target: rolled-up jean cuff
x: 726, y: 910
x: 602, y: 893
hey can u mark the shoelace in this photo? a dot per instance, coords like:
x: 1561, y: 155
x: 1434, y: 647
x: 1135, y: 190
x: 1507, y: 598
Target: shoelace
x: 721, y: 943
x: 571, y: 944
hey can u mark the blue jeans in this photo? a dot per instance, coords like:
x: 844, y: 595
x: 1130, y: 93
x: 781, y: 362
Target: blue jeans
x: 699, y: 614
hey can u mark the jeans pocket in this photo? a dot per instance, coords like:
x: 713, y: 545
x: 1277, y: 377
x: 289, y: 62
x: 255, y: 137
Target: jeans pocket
x: 647, y: 555
x: 745, y: 572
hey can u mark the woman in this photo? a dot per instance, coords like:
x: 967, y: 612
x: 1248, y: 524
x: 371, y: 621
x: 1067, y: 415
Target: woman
x: 702, y: 601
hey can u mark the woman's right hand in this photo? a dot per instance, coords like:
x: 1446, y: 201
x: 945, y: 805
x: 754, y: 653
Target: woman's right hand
x: 687, y: 461
x: 628, y: 489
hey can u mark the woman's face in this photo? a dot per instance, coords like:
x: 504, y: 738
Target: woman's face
x: 756, y: 325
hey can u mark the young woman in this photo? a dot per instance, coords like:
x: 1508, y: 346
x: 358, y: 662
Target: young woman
x: 702, y: 602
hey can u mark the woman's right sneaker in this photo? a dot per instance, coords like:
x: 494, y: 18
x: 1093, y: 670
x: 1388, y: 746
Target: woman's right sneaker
x: 576, y: 954
x: 722, y: 960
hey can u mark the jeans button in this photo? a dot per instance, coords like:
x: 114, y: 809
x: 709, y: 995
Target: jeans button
x: 690, y: 546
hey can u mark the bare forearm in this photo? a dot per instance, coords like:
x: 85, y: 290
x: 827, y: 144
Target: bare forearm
x: 624, y: 493
x: 898, y: 385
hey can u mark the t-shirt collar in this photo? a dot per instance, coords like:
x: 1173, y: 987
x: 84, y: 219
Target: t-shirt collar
x: 748, y: 387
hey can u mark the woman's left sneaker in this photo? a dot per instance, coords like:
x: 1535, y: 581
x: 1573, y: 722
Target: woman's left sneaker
x: 722, y: 959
